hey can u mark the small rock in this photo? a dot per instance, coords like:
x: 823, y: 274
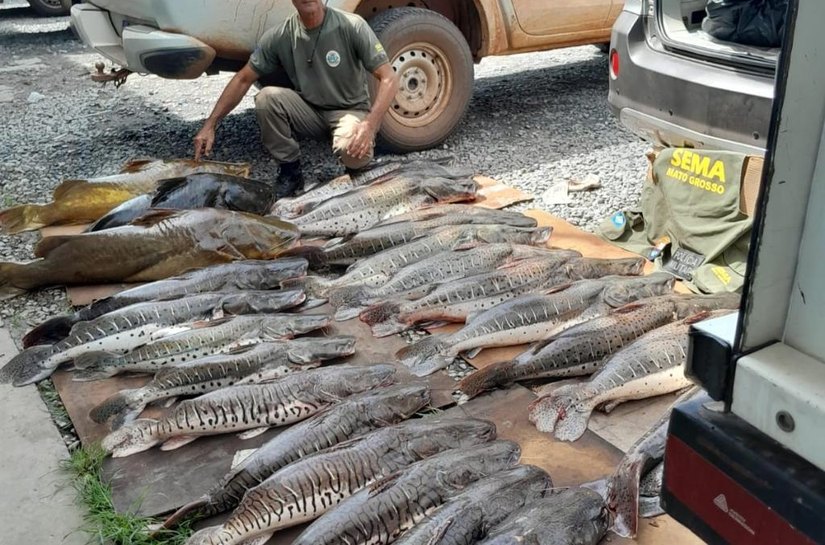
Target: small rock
x: 34, y: 96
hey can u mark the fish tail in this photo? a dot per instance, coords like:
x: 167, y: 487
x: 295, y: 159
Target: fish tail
x: 314, y: 255
x: 9, y: 272
x: 426, y: 356
x: 193, y: 510
x: 27, y: 367
x: 98, y: 362
x: 24, y: 218
x: 51, y: 331
x: 547, y: 411
x: 623, y: 498
x: 118, y: 408
x: 314, y: 286
x: 486, y: 379
x: 348, y: 301
x: 379, y: 314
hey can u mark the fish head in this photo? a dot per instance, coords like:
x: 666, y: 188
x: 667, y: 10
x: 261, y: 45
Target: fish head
x: 355, y: 379
x: 628, y: 289
x: 312, y: 349
x: 397, y: 403
x: 431, y: 435
x: 444, y: 190
x: 260, y: 301
x: 28, y: 366
x: 131, y: 438
x: 527, y: 251
x: 297, y: 324
x: 471, y: 463
x: 268, y: 275
x: 256, y: 237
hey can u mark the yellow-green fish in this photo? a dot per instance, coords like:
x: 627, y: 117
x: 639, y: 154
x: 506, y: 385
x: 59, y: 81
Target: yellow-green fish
x: 85, y: 201
x: 161, y: 244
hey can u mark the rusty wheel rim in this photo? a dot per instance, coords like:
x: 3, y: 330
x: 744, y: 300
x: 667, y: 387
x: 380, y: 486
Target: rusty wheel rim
x: 425, y: 83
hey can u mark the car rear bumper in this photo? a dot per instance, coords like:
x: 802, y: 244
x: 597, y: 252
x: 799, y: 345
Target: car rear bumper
x: 141, y: 48
x: 681, y: 101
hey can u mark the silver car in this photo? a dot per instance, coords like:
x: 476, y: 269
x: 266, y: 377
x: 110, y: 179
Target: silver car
x: 673, y: 84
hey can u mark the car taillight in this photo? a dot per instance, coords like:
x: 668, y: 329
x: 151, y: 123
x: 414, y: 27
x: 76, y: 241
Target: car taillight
x: 614, y: 63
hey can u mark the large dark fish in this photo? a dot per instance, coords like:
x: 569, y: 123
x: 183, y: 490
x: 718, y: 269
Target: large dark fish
x: 380, y: 513
x: 250, y: 409
x: 362, y: 208
x: 249, y: 365
x: 582, y: 349
x: 202, y: 190
x: 308, y: 488
x: 83, y: 201
x: 466, y: 518
x: 532, y: 318
x: 225, y: 277
x: 133, y: 326
x: 161, y: 244
x: 576, y: 516
x: 354, y: 416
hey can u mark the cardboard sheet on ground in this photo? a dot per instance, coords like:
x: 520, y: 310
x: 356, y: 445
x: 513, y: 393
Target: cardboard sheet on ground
x: 155, y: 481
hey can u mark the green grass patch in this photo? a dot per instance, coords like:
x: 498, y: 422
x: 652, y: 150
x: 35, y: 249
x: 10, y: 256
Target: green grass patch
x: 104, y: 525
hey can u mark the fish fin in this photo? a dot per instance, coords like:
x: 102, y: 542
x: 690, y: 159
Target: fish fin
x: 114, y: 406
x: 97, y: 360
x: 155, y: 216
x: 546, y: 411
x: 384, y: 484
x: 425, y: 357
x: 66, y: 187
x: 177, y: 442
x: 173, y: 330
x: 313, y: 254
x: 27, y: 366
x: 168, y: 402
x: 347, y: 313
x: 429, y: 326
x: 557, y: 288
x: 136, y: 165
x: 382, y: 312
x: 440, y: 531
x: 254, y: 432
x: 336, y: 241
x: 27, y: 217
x: 90, y: 375
x: 167, y: 186
x: 190, y: 510
x: 698, y: 317
x: 573, y: 423
x: 472, y: 316
x: 348, y: 296
x: 473, y: 352
x: 623, y: 498
x: 48, y: 244
x: 608, y: 407
x: 51, y: 331
x: 485, y: 379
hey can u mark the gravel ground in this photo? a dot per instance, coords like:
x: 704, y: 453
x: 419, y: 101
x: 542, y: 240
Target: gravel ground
x: 534, y: 120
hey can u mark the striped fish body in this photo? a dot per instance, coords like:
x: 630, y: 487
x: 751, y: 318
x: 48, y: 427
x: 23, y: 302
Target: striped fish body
x: 207, y: 339
x: 226, y: 277
x: 649, y: 366
x: 466, y: 518
x: 380, y: 513
x: 575, y: 515
x: 262, y: 362
x: 249, y: 407
x: 579, y: 350
x: 343, y: 421
x: 308, y: 488
x: 452, y: 211
x: 362, y: 208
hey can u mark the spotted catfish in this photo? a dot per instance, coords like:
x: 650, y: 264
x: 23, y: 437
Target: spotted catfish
x: 343, y: 421
x: 197, y: 341
x: 133, y: 326
x: 364, y: 207
x: 226, y: 277
x: 249, y: 409
x: 456, y: 300
x: 310, y: 487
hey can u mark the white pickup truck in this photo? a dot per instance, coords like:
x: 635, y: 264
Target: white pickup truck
x: 432, y: 44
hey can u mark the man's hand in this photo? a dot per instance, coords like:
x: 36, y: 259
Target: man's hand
x: 362, y: 140
x: 204, y: 141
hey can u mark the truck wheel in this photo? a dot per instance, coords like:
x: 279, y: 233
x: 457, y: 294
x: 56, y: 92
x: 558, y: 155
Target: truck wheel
x: 435, y: 69
x: 49, y: 8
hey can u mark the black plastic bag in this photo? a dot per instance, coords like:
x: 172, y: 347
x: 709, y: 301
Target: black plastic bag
x: 759, y: 23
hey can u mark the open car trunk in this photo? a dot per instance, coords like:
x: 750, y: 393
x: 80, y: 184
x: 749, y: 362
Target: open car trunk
x: 678, y: 24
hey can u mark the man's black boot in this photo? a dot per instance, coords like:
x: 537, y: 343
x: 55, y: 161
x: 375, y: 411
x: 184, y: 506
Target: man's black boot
x: 290, y: 180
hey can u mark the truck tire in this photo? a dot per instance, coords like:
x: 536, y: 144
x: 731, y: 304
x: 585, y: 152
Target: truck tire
x: 49, y: 8
x: 435, y: 69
